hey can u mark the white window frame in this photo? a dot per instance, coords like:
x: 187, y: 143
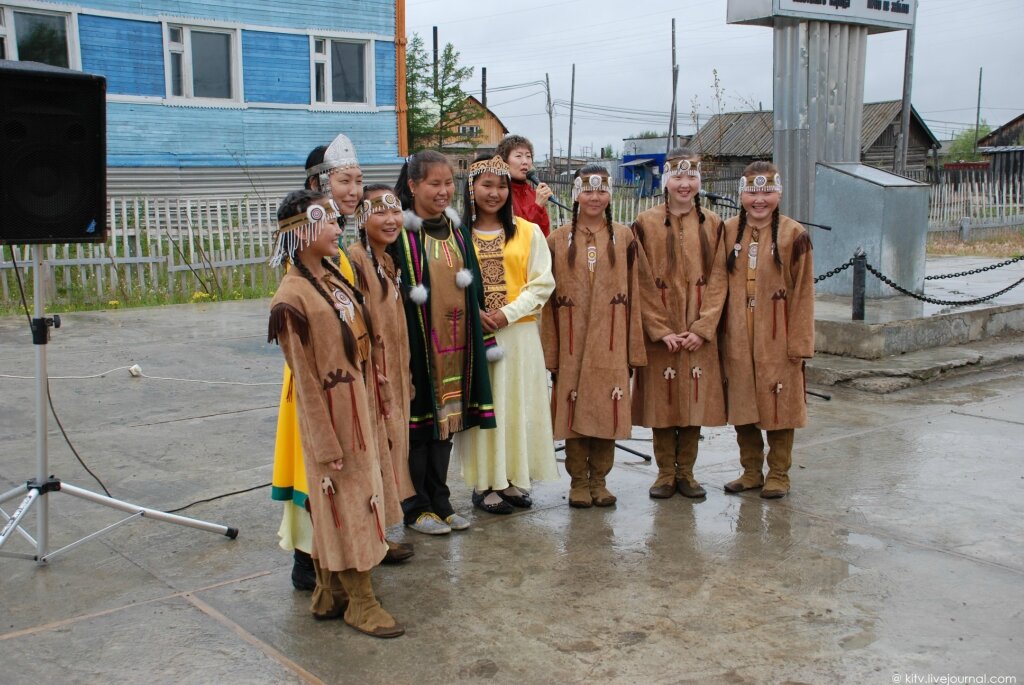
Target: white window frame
x: 184, y: 48
x: 8, y: 30
x: 369, y: 73
x: 470, y: 130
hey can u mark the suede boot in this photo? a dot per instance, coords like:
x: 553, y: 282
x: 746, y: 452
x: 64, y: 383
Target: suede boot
x: 665, y: 457
x: 397, y: 552
x: 780, y: 458
x: 602, y: 457
x: 579, y: 472
x: 364, y: 612
x: 329, y: 597
x: 748, y: 437
x: 686, y: 457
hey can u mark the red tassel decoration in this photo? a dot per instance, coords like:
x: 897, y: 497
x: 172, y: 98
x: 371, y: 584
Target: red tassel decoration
x: 669, y: 374
x: 617, y: 395
x: 327, y: 487
x: 696, y: 372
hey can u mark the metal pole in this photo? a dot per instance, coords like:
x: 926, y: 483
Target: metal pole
x: 670, y: 141
x: 551, y: 128
x: 905, y: 112
x: 435, y: 62
x: 42, y: 404
x: 860, y: 270
x: 483, y: 87
x: 572, y: 107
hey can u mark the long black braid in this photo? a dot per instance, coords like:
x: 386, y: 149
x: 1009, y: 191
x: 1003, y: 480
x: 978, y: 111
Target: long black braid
x: 346, y: 333
x: 611, y: 231
x: 730, y: 261
x: 572, y: 234
x: 775, y: 238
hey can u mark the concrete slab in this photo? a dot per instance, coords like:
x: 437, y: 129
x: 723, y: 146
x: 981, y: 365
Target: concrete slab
x: 895, y: 554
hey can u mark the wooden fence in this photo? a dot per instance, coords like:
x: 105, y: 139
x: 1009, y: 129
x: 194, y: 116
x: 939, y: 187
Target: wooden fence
x: 987, y: 203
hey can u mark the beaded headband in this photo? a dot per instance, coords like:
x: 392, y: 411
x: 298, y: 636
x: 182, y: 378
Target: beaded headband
x: 595, y: 183
x: 761, y: 184
x: 340, y: 154
x: 683, y: 167
x: 298, y: 231
x: 495, y: 165
x: 377, y: 205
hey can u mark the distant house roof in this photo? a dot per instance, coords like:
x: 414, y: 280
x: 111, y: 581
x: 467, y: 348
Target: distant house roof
x: 995, y: 135
x: 749, y: 134
x: 488, y: 112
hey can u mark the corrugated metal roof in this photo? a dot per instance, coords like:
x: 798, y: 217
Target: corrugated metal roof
x: 992, y: 150
x: 749, y: 134
x: 265, y: 182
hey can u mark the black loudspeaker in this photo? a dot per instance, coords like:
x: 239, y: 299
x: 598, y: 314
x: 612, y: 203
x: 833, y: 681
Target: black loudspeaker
x: 53, y: 146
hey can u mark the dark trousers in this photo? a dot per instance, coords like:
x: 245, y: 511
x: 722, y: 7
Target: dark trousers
x: 428, y: 468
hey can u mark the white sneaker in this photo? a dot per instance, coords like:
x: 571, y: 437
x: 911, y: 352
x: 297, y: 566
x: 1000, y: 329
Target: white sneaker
x: 430, y: 523
x: 456, y: 522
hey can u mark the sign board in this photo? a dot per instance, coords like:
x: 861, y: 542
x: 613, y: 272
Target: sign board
x: 880, y: 15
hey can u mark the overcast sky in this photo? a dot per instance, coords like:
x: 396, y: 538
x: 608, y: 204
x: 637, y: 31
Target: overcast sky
x: 622, y: 52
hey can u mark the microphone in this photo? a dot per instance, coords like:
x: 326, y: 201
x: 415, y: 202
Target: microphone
x: 717, y: 199
x: 532, y: 177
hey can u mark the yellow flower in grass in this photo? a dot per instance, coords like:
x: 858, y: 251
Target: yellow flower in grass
x: 113, y: 303
x: 200, y: 296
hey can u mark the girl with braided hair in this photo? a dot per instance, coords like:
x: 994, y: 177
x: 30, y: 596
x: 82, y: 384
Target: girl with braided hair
x: 678, y: 392
x: 449, y: 350
x: 515, y: 266
x: 378, y: 219
x: 768, y: 330
x: 592, y: 332
x: 326, y: 334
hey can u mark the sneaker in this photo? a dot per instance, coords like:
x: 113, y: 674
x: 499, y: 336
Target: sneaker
x: 456, y: 522
x: 430, y: 523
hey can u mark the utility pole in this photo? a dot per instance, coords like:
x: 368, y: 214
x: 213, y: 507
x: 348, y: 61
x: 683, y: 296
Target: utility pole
x: 551, y: 128
x: 977, y: 116
x: 673, y: 131
x: 435, y: 62
x: 905, y: 112
x: 572, y: 107
x: 483, y: 87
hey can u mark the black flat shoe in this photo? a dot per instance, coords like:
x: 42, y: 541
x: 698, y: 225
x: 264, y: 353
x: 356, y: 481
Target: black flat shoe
x: 522, y: 501
x: 303, y: 572
x: 500, y: 508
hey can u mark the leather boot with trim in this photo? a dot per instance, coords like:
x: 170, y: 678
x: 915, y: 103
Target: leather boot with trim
x: 579, y: 472
x: 686, y: 457
x: 665, y: 457
x: 329, y: 597
x: 748, y: 437
x: 602, y: 458
x: 780, y: 459
x: 397, y: 552
x: 364, y: 612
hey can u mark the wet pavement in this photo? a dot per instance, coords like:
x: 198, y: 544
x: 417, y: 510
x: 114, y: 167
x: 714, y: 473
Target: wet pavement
x: 897, y: 556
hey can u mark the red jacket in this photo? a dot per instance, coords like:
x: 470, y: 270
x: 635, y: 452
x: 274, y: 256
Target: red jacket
x: 524, y: 204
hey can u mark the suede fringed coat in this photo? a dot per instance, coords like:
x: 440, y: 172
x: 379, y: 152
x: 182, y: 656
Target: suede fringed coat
x: 763, y: 386
x: 337, y: 407
x: 688, y: 265
x: 392, y: 357
x: 593, y: 332
x: 478, y: 404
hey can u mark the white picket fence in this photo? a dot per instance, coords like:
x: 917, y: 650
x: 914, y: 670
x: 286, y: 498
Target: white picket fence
x: 985, y: 202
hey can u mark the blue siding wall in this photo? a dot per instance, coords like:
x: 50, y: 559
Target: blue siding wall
x: 368, y: 16
x: 275, y: 67
x: 153, y: 135
x: 385, y: 55
x: 129, y: 53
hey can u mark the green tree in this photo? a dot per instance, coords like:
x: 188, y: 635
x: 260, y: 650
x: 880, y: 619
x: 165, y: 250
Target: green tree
x: 421, y: 113
x: 962, y: 149
x: 435, y: 114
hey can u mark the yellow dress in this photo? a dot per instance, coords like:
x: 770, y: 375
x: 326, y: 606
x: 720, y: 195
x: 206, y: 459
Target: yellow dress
x: 288, y: 484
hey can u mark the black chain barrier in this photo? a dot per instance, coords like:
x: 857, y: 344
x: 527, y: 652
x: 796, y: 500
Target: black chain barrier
x: 931, y: 300
x: 983, y: 269
x: 839, y: 269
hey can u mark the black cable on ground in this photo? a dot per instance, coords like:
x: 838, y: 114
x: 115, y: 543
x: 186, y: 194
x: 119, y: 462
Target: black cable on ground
x: 211, y: 499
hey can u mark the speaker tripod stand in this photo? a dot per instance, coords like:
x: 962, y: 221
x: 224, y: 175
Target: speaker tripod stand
x: 36, y: 491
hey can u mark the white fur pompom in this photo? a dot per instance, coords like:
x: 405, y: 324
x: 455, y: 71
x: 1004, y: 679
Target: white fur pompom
x: 411, y: 221
x: 453, y: 215
x: 418, y: 294
x: 495, y: 354
x: 464, y: 278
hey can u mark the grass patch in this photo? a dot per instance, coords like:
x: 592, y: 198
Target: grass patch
x: 1002, y: 245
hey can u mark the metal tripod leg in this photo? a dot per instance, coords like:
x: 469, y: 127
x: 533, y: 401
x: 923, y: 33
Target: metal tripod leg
x: 14, y: 521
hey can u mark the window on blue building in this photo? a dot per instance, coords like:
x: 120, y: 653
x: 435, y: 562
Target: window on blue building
x: 201, y: 62
x: 339, y: 71
x: 32, y: 36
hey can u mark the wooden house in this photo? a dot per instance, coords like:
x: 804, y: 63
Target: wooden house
x: 477, y: 136
x: 228, y: 96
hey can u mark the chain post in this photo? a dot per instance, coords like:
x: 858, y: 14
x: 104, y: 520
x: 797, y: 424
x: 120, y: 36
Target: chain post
x: 859, y: 283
